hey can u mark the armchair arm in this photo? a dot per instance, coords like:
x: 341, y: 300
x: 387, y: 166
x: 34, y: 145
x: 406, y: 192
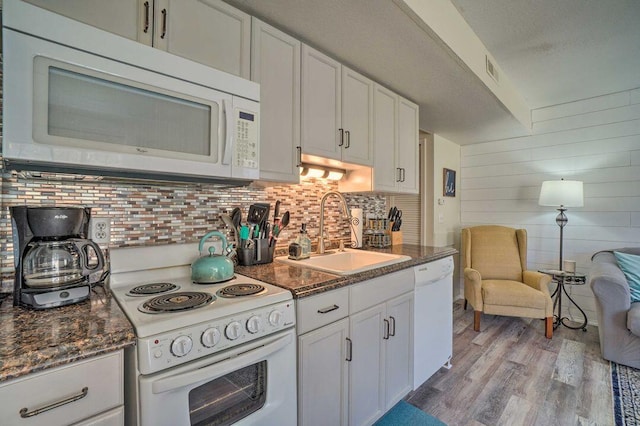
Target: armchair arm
x: 537, y: 280
x: 473, y: 288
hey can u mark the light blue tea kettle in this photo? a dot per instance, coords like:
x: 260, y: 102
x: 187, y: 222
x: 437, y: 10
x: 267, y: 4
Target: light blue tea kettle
x: 212, y: 268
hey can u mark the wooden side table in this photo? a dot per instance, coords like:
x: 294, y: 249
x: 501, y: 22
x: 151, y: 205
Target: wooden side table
x: 564, y: 279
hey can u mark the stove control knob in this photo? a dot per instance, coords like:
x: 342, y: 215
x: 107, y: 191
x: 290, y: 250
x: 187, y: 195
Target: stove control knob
x: 254, y: 324
x: 233, y: 330
x: 275, y: 318
x: 181, y: 345
x: 210, y: 337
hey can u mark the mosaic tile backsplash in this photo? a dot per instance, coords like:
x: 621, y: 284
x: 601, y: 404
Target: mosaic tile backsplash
x: 148, y: 213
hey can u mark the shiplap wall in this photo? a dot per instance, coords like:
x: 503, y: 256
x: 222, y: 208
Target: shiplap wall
x: 596, y: 141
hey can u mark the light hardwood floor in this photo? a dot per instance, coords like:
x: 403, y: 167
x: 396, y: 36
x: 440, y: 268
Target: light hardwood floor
x: 510, y: 374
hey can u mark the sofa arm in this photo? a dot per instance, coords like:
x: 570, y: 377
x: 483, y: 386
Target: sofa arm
x: 609, y: 285
x: 613, y: 301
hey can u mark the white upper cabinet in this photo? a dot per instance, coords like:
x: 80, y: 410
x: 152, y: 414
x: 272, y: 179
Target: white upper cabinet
x: 396, y: 148
x: 210, y: 32
x: 207, y: 31
x: 385, y: 134
x: 357, y: 112
x: 407, y: 148
x: 321, y: 104
x: 121, y: 17
x: 337, y: 104
x: 275, y: 64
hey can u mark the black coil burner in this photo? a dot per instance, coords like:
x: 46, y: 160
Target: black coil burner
x: 239, y: 290
x: 152, y: 288
x: 176, y: 302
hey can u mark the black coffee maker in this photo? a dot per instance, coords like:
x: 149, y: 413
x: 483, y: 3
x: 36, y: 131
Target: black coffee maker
x: 56, y: 263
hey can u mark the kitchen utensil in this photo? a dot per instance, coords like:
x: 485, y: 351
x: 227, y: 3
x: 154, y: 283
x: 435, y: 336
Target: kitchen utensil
x: 229, y: 223
x: 244, y: 236
x: 236, y: 217
x: 278, y: 228
x: 257, y: 215
x: 212, y: 268
x: 283, y: 222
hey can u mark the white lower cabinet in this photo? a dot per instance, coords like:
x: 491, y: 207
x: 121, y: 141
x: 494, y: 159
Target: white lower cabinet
x: 322, y: 375
x: 356, y: 364
x: 87, y: 392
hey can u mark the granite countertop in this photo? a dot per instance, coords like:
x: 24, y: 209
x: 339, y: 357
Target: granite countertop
x: 34, y: 340
x: 303, y: 282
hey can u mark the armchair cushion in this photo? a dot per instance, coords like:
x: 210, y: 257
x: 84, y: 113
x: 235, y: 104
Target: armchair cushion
x: 633, y: 319
x: 630, y: 265
x: 512, y: 293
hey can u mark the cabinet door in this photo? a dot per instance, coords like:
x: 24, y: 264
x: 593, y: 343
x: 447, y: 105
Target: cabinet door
x: 399, y: 350
x: 357, y: 110
x: 322, y: 375
x: 207, y: 31
x: 385, y: 133
x: 275, y: 64
x: 321, y: 106
x: 366, y: 372
x: 407, y: 148
x: 122, y: 17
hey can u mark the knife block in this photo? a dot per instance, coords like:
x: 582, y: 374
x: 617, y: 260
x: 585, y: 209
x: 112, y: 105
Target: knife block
x: 396, y: 238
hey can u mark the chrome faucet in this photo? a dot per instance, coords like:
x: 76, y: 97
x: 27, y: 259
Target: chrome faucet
x: 344, y: 210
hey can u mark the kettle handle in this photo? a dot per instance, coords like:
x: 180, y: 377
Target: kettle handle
x: 81, y: 245
x: 212, y: 234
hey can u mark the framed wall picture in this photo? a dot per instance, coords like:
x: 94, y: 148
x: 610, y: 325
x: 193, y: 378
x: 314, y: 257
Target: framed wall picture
x: 449, y: 183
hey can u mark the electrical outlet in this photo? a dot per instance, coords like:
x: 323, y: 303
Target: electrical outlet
x: 100, y: 230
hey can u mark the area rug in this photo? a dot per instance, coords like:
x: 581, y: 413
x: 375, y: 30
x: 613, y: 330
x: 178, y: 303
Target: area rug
x: 405, y: 414
x: 625, y: 383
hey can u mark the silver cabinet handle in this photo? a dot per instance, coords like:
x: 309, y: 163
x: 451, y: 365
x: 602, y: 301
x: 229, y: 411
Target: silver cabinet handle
x: 164, y: 23
x: 349, y: 350
x: 399, y: 178
x: 328, y: 309
x: 393, y: 326
x: 341, y: 137
x: 348, y: 133
x: 386, y: 329
x: 299, y: 151
x: 146, y: 17
x: 25, y: 413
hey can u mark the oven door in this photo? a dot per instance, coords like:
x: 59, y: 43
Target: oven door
x: 251, y: 384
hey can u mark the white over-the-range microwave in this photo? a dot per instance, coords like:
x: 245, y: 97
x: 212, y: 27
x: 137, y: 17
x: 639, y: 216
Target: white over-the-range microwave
x: 82, y: 100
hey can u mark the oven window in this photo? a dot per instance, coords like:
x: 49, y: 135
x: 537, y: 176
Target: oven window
x: 229, y: 398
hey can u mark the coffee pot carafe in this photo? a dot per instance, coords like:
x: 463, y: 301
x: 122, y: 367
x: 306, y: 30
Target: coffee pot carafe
x: 56, y: 264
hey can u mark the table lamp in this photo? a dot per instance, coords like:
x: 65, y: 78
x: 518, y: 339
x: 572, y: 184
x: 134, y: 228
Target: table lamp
x: 562, y: 194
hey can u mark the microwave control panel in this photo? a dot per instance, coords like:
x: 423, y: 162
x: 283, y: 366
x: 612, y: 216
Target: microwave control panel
x: 246, y: 147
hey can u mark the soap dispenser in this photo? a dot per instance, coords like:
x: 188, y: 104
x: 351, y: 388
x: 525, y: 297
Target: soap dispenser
x: 304, y: 242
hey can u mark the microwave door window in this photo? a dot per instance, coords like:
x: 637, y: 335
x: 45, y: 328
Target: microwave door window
x: 86, y: 108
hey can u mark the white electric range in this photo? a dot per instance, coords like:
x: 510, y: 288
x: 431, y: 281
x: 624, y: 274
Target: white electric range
x: 205, y: 353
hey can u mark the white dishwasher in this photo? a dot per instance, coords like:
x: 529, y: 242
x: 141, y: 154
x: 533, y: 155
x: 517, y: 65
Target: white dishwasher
x: 433, y: 319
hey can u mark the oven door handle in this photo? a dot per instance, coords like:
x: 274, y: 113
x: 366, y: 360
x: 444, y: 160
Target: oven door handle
x: 219, y: 369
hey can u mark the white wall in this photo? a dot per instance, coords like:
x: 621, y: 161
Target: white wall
x: 594, y: 140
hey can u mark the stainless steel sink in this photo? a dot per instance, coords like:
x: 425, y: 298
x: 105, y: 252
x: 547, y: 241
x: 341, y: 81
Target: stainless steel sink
x: 347, y: 262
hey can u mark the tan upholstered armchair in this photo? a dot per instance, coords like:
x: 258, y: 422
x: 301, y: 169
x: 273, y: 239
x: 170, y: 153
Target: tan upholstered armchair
x: 496, y: 279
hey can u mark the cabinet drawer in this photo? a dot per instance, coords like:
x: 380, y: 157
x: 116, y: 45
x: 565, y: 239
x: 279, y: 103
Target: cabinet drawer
x: 101, y: 376
x: 378, y: 290
x: 322, y: 309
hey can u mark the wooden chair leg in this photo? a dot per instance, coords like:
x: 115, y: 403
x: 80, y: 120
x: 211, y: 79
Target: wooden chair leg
x: 476, y: 320
x: 465, y: 304
x: 548, y: 325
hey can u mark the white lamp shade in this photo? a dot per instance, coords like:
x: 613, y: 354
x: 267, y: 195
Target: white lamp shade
x: 565, y: 193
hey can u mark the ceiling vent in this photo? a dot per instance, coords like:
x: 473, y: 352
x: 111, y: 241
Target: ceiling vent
x: 492, y: 70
